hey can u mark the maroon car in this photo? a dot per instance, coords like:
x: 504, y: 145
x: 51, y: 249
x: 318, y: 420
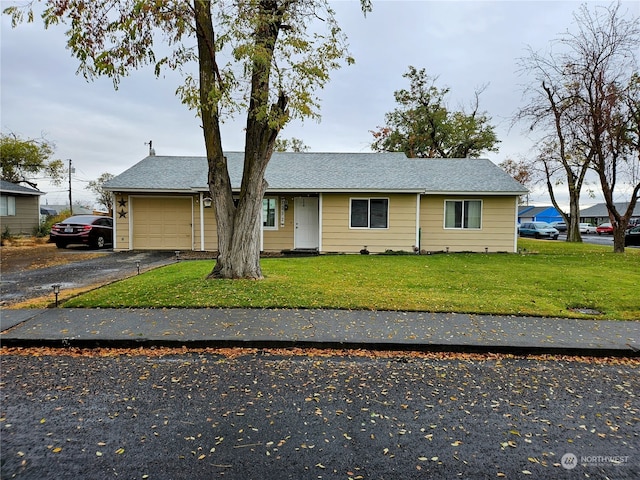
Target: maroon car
x: 604, y: 229
x: 92, y: 230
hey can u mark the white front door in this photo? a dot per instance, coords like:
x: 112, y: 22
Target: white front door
x: 305, y: 218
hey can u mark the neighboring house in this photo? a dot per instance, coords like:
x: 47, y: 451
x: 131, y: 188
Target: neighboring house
x: 77, y: 209
x: 19, y: 208
x: 47, y: 211
x: 329, y: 202
x: 539, y: 214
x: 598, y: 214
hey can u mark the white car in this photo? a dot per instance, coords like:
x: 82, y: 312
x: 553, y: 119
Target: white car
x: 587, y: 228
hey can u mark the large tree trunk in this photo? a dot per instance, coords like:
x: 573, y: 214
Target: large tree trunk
x: 618, y: 238
x: 619, y: 220
x: 218, y: 177
x: 573, y: 226
x: 239, y: 226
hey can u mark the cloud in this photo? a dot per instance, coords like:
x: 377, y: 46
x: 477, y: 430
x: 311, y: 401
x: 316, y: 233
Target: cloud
x: 466, y: 44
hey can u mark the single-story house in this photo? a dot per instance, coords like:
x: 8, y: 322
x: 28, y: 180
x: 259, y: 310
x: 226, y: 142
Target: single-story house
x: 19, y: 208
x: 598, y: 213
x: 539, y: 214
x: 328, y: 202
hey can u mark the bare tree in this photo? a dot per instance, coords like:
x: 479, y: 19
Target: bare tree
x: 605, y: 82
x: 584, y: 101
x: 522, y: 171
x: 103, y: 196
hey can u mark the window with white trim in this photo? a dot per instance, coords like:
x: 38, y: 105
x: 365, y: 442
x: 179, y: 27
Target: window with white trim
x: 463, y: 214
x: 7, y: 206
x: 369, y: 213
x: 269, y: 208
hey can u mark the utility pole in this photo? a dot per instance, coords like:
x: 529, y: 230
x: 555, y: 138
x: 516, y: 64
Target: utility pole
x: 70, y: 204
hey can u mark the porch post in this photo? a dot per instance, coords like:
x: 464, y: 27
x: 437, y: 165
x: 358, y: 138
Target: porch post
x: 201, y: 222
x: 417, y: 244
x: 319, y: 222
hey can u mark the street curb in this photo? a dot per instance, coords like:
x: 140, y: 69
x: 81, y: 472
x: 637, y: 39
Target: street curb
x: 290, y: 344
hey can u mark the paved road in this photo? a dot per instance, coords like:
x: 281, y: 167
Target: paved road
x: 591, y: 238
x: 263, y: 416
x: 111, y: 266
x: 595, y: 239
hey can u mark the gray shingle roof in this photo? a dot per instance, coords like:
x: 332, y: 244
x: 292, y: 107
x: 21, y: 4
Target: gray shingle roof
x: 600, y: 210
x: 530, y: 211
x: 327, y: 172
x: 8, y: 187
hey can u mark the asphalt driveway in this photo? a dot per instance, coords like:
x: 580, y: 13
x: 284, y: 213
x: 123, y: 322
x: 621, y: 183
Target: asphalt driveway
x: 23, y: 285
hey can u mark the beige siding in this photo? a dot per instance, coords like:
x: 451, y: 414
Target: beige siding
x: 274, y: 240
x: 175, y: 222
x: 338, y: 236
x: 27, y: 216
x: 282, y: 237
x: 121, y: 240
x: 210, y: 230
x: 497, y: 233
x: 196, y: 225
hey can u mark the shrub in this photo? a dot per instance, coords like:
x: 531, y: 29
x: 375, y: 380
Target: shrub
x: 41, y: 230
x: 6, y: 234
x: 44, y: 228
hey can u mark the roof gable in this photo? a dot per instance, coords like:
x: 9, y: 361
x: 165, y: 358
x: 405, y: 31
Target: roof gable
x: 326, y: 172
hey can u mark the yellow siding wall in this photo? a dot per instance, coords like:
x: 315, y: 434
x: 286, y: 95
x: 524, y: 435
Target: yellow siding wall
x: 281, y: 238
x: 210, y: 230
x: 196, y: 225
x: 337, y: 236
x: 497, y: 232
x: 121, y: 222
x: 274, y: 240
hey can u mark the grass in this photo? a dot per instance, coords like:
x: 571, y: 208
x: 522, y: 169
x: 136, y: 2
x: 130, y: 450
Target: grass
x: 547, y: 279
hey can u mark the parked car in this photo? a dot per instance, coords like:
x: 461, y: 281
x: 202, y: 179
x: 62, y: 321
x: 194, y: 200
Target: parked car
x: 560, y: 226
x: 92, y: 230
x: 538, y: 230
x: 587, y: 228
x: 604, y: 229
x: 632, y: 237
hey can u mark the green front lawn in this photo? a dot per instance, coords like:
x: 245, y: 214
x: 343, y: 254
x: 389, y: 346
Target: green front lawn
x: 549, y: 278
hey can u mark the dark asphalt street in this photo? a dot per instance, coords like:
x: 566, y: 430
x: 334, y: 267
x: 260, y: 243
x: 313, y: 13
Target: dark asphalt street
x: 194, y: 415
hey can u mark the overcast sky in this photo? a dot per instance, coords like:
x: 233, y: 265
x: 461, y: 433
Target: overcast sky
x: 466, y: 44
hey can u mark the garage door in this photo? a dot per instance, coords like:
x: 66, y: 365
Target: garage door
x: 162, y: 223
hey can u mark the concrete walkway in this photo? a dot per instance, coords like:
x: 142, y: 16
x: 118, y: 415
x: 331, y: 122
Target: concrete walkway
x: 317, y: 328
